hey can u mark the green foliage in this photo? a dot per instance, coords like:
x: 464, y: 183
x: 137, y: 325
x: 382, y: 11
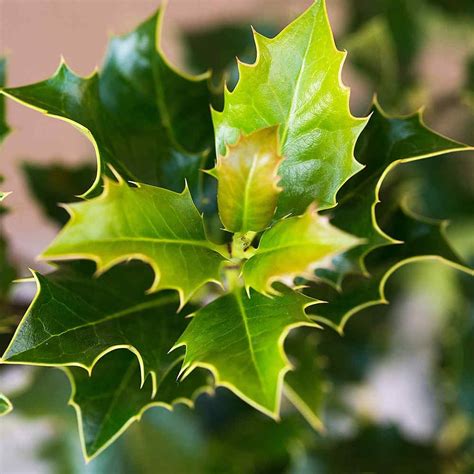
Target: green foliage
x: 302, y: 241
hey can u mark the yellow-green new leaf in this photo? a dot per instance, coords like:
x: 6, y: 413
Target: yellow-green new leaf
x: 247, y: 191
x: 158, y: 226
x: 295, y: 83
x: 239, y: 338
x: 293, y: 247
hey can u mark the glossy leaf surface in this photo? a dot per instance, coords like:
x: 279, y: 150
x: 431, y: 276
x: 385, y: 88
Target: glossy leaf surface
x: 5, y: 405
x: 295, y: 83
x: 240, y: 340
x: 161, y: 227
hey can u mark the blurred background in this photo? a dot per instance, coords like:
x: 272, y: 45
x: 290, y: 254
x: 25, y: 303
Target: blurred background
x: 403, y: 374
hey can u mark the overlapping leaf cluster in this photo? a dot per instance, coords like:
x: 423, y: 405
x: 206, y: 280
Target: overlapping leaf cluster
x: 294, y: 202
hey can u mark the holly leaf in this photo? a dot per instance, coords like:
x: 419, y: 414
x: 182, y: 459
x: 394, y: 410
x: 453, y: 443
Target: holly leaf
x: 385, y: 143
x: 247, y: 175
x: 295, y: 83
x: 51, y: 184
x: 240, y: 338
x: 109, y: 400
x: 92, y: 316
x: 306, y: 386
x: 5, y: 405
x: 143, y: 117
x: 292, y: 247
x: 420, y: 239
x: 158, y: 226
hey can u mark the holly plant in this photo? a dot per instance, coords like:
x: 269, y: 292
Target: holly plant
x: 208, y: 236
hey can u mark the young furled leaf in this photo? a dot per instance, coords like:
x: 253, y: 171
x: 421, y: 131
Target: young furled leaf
x: 5, y: 405
x: 109, y: 400
x: 295, y: 83
x: 385, y: 143
x: 247, y: 176
x: 239, y: 338
x: 92, y: 316
x: 291, y: 247
x: 421, y: 239
x: 150, y: 122
x: 158, y: 226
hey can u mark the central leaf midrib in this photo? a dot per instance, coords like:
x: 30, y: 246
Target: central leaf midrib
x: 247, y: 192
x: 283, y: 247
x: 249, y: 338
x: 297, y: 85
x: 195, y: 243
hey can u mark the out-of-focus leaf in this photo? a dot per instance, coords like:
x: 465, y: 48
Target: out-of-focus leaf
x: 5, y: 405
x: 385, y: 143
x: 423, y: 239
x: 4, y: 128
x: 56, y: 184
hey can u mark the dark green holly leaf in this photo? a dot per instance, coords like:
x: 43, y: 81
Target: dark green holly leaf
x: 111, y: 398
x: 158, y: 226
x: 385, y: 143
x: 295, y: 83
x: 75, y: 319
x: 147, y: 120
x: 422, y: 239
x: 55, y: 184
x: 240, y: 337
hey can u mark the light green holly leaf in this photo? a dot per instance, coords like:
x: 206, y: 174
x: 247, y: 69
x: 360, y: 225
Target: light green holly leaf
x: 420, y: 239
x: 306, y: 386
x: 5, y: 405
x: 239, y: 338
x: 295, y: 83
x: 109, y: 400
x: 247, y: 175
x: 385, y: 143
x: 143, y: 117
x: 158, y: 226
x: 92, y: 316
x: 293, y: 247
